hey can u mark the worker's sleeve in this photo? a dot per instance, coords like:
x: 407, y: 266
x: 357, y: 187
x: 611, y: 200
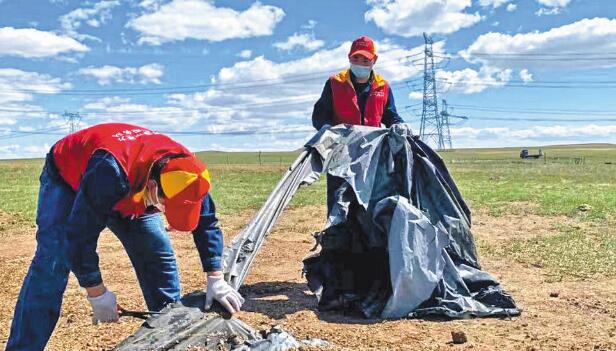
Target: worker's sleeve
x: 208, y: 237
x: 103, y: 184
x: 323, y: 111
x: 390, y: 115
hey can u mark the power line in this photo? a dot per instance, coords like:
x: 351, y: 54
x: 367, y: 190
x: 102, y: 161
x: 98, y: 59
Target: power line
x: 527, y: 119
x: 255, y: 83
x: 21, y: 133
x: 239, y: 132
x: 537, y: 111
x: 533, y: 86
x: 540, y: 53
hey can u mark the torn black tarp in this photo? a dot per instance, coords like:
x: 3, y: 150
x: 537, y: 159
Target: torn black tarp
x: 397, y: 241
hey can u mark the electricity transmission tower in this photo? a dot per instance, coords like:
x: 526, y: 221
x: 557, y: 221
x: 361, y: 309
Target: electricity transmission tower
x: 431, y: 128
x: 434, y: 128
x: 72, y: 118
x: 444, y: 117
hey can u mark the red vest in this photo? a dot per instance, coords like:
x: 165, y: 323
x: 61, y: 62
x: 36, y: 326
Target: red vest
x: 346, y: 109
x: 135, y: 148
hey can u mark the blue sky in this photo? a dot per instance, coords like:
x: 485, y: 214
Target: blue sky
x: 243, y: 75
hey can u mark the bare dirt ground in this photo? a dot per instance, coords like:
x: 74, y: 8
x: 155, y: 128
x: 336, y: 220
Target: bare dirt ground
x: 580, y: 315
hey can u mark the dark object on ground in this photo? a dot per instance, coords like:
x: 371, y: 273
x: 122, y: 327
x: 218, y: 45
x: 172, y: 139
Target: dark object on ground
x: 137, y: 314
x: 185, y: 324
x: 584, y: 207
x: 458, y: 337
x: 524, y: 154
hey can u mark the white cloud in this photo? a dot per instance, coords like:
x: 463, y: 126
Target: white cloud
x: 525, y: 76
x: 470, y: 81
x: 550, y: 49
x: 245, y: 54
x: 319, y: 65
x: 512, y: 7
x: 14, y: 150
x: 18, y: 86
x: 283, y: 92
x: 120, y: 109
x: 554, y: 3
x: 306, y: 41
x: 279, y: 98
x: 554, y: 7
x: 33, y: 43
x: 416, y: 95
x: 548, y: 12
x: 95, y: 16
x: 200, y: 19
x: 106, y: 75
x: 152, y: 5
x: 37, y: 150
x: 18, y: 90
x: 493, y: 3
x: 310, y: 25
x: 533, y: 135
x: 408, y: 18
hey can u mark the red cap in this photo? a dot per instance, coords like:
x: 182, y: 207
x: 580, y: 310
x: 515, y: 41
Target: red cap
x: 185, y: 182
x: 363, y: 46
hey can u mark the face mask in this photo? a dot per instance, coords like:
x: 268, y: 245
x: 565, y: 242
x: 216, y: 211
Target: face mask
x: 361, y: 71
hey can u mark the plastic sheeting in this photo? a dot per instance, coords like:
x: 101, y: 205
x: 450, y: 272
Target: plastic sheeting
x: 397, y: 241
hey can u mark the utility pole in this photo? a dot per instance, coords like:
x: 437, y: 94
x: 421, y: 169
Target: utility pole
x: 73, y: 119
x: 431, y: 128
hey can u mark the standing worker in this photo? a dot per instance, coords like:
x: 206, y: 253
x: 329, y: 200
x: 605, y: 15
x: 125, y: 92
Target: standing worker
x: 119, y: 176
x: 355, y: 96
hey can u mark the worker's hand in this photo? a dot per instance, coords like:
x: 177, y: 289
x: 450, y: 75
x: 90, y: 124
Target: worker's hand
x: 218, y: 289
x: 104, y: 308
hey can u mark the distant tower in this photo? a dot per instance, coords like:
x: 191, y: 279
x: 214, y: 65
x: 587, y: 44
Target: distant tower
x: 445, y: 116
x: 431, y: 129
x: 73, y: 119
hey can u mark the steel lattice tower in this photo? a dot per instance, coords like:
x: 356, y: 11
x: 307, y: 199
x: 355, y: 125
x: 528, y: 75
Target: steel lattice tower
x: 72, y: 118
x: 445, y: 116
x: 431, y: 129
x: 446, y: 135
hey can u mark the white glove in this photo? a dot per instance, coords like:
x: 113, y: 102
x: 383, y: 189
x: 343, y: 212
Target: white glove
x: 104, y: 308
x: 218, y: 289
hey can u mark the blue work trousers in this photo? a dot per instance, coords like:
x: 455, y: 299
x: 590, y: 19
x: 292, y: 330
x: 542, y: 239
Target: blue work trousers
x: 40, y: 298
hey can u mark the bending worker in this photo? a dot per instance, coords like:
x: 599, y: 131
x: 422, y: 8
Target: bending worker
x: 119, y: 176
x: 355, y: 96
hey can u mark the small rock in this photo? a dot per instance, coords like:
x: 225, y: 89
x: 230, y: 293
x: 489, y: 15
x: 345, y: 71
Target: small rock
x: 584, y: 207
x: 554, y: 294
x: 458, y: 337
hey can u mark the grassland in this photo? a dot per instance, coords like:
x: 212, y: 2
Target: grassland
x: 492, y: 180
